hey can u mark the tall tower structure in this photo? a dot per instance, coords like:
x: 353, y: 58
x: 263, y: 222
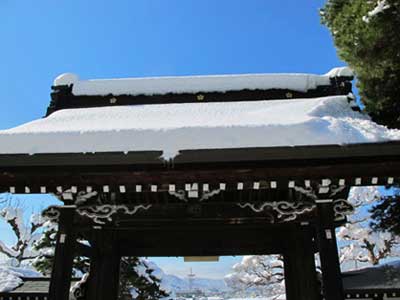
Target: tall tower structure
x: 191, y: 277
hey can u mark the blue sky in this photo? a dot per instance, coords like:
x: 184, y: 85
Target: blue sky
x: 109, y: 39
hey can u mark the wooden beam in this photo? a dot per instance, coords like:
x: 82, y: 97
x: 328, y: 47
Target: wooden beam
x: 64, y: 254
x: 194, y: 241
x: 328, y: 252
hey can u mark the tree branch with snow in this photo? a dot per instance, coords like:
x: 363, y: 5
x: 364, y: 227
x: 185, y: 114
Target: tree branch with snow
x: 26, y: 234
x: 361, y: 244
x: 263, y: 274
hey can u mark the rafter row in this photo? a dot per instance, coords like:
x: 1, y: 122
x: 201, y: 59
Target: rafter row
x: 323, y: 186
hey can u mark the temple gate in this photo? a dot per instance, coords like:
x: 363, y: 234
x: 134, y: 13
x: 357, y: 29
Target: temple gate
x: 203, y: 202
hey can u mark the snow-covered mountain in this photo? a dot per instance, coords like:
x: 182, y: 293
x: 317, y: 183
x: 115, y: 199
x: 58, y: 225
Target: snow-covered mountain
x: 177, y: 284
x: 174, y: 283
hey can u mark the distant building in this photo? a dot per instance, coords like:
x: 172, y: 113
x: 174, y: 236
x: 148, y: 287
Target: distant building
x: 32, y: 288
x: 381, y: 282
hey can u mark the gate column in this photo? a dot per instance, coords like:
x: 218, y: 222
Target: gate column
x: 64, y: 255
x: 299, y: 265
x: 328, y: 252
x: 103, y: 282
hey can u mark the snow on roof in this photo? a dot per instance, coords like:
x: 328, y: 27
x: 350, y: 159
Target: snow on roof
x: 378, y: 277
x: 340, y: 72
x: 212, y: 125
x: 11, y: 277
x: 196, y: 84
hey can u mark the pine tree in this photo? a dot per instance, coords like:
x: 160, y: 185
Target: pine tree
x: 386, y: 214
x: 367, y: 36
x: 137, y: 278
x: 45, y: 246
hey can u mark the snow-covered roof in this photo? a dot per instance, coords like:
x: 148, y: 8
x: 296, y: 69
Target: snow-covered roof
x: 196, y: 84
x: 381, y: 277
x: 11, y: 277
x: 213, y: 125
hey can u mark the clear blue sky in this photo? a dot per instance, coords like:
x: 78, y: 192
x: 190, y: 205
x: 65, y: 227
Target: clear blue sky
x: 108, y: 39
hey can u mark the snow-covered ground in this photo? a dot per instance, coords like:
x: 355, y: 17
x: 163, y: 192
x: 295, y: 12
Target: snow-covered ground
x: 173, y: 127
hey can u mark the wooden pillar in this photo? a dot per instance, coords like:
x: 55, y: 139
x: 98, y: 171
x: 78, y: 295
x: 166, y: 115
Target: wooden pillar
x: 64, y: 255
x: 328, y: 252
x: 299, y: 266
x: 103, y: 281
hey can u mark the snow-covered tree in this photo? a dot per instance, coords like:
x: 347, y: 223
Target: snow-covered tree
x: 361, y: 243
x: 138, y: 281
x: 259, y: 273
x: 26, y: 234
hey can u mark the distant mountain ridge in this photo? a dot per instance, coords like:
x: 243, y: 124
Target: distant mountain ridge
x: 177, y: 284
x: 174, y: 283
